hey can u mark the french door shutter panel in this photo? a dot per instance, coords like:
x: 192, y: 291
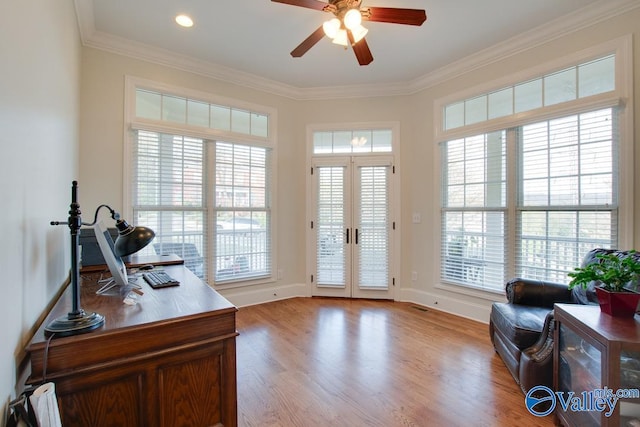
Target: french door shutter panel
x: 331, y: 226
x: 373, y: 227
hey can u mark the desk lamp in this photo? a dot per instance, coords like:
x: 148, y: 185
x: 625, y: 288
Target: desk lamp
x: 130, y: 240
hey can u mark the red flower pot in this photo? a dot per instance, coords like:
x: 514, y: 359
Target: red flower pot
x: 618, y: 304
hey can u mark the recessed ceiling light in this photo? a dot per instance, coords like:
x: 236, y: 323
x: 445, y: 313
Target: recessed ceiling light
x: 184, y: 21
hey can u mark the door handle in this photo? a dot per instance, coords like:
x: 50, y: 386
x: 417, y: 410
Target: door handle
x: 356, y: 242
x: 347, y: 233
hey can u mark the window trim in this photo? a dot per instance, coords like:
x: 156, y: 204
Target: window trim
x: 131, y: 123
x: 622, y: 97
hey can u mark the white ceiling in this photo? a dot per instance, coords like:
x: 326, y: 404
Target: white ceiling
x: 248, y: 41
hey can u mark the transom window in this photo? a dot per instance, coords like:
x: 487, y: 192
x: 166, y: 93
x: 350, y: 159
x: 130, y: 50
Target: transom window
x: 572, y: 83
x: 360, y: 141
x: 164, y: 107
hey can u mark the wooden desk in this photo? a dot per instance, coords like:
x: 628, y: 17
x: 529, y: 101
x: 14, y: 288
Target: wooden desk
x: 168, y: 361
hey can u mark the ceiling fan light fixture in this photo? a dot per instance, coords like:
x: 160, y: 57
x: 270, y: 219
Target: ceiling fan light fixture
x: 184, y: 21
x: 350, y: 31
x: 341, y: 38
x: 352, y: 19
x: 331, y: 27
x: 358, y: 33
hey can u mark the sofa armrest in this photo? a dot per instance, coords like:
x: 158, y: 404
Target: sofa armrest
x: 537, y: 293
x: 543, y: 348
x: 536, y: 362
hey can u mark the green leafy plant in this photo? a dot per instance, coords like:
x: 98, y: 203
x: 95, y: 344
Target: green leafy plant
x: 612, y: 271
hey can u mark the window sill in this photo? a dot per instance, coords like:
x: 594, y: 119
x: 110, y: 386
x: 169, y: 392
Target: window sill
x: 241, y: 283
x: 476, y: 292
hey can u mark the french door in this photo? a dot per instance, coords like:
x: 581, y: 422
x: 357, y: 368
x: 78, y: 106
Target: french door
x: 352, y: 227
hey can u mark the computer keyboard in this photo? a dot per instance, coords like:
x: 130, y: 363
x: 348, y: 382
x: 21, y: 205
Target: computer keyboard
x: 159, y: 279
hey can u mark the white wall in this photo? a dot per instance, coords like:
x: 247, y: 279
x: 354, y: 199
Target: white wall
x: 39, y: 94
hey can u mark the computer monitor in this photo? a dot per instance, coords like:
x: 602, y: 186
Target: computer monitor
x: 115, y: 264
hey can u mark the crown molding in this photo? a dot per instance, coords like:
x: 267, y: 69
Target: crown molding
x: 143, y: 52
x: 588, y: 16
x: 584, y: 18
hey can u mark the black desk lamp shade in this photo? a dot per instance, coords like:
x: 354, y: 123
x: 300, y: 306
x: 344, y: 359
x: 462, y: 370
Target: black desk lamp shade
x: 130, y: 240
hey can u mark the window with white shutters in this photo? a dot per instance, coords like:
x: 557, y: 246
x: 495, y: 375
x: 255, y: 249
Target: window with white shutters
x: 474, y: 210
x: 242, y: 212
x: 201, y: 176
x: 565, y: 200
x: 530, y: 198
x: 169, y: 195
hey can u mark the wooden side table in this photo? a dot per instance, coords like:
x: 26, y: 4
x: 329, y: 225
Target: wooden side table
x: 593, y: 353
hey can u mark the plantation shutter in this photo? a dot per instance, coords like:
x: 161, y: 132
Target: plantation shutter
x: 242, y: 212
x: 474, y: 210
x: 568, y: 199
x: 169, y: 195
x: 372, y: 257
x: 331, y: 226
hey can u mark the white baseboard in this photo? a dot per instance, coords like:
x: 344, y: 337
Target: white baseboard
x: 479, y: 312
x: 243, y: 297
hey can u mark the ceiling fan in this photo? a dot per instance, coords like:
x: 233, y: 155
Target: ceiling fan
x: 346, y: 27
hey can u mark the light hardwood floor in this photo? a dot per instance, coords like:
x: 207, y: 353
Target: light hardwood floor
x: 339, y: 362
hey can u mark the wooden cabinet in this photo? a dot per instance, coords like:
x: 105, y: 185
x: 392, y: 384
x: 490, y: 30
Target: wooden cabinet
x: 595, y: 356
x: 168, y: 360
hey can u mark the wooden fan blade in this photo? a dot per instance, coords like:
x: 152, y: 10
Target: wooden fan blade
x: 308, y: 43
x: 310, y: 4
x: 395, y: 15
x: 361, y: 49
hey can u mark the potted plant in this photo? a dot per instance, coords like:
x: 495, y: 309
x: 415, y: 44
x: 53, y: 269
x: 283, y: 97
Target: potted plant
x: 616, y: 278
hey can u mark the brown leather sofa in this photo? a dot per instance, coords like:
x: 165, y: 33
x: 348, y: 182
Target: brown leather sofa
x: 521, y: 329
